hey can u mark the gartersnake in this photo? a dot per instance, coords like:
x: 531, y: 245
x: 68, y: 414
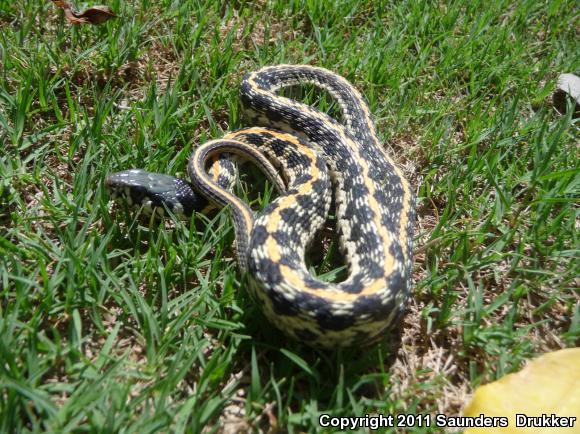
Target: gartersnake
x: 307, y: 155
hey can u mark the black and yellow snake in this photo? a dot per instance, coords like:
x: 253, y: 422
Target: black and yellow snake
x: 307, y: 155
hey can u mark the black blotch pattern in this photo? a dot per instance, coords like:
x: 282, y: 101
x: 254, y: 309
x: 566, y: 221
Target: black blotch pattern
x: 314, y: 283
x: 356, y: 285
x: 328, y: 320
x: 371, y: 305
x: 320, y: 186
x: 396, y: 251
x: 374, y: 270
x: 267, y: 269
x: 297, y: 160
x: 285, y: 238
x: 223, y: 181
x: 359, y: 190
x: 303, y: 178
x: 399, y: 282
x: 255, y: 139
x: 274, y: 115
x: 305, y: 201
x: 259, y: 235
x: 278, y: 146
x: 283, y: 306
x: 289, y: 215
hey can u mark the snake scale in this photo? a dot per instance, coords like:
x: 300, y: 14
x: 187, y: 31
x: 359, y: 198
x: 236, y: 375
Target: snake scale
x: 308, y: 155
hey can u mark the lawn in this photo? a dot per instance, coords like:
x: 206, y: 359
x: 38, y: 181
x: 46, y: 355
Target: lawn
x: 113, y: 323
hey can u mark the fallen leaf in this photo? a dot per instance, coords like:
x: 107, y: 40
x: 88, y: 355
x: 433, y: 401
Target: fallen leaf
x: 94, y: 15
x: 61, y: 4
x: 71, y: 18
x: 548, y: 385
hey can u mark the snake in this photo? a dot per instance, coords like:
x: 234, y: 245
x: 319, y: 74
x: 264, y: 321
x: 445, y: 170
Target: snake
x: 311, y: 158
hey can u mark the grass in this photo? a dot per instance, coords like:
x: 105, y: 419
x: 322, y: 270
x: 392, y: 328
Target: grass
x: 111, y: 324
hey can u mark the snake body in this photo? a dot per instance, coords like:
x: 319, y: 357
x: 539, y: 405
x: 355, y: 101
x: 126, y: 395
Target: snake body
x: 307, y: 155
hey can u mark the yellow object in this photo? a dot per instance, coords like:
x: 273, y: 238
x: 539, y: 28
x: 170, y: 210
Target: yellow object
x: 545, y: 394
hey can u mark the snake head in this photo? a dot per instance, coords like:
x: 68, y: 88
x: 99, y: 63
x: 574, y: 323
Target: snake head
x: 153, y: 192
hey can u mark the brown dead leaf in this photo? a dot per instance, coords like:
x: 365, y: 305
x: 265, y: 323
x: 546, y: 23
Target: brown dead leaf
x: 71, y: 18
x: 95, y: 15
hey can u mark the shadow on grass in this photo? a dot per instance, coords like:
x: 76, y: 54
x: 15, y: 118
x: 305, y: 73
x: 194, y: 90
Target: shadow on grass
x: 320, y: 374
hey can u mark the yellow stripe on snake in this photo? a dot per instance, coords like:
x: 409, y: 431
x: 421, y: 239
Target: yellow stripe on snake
x: 307, y: 155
